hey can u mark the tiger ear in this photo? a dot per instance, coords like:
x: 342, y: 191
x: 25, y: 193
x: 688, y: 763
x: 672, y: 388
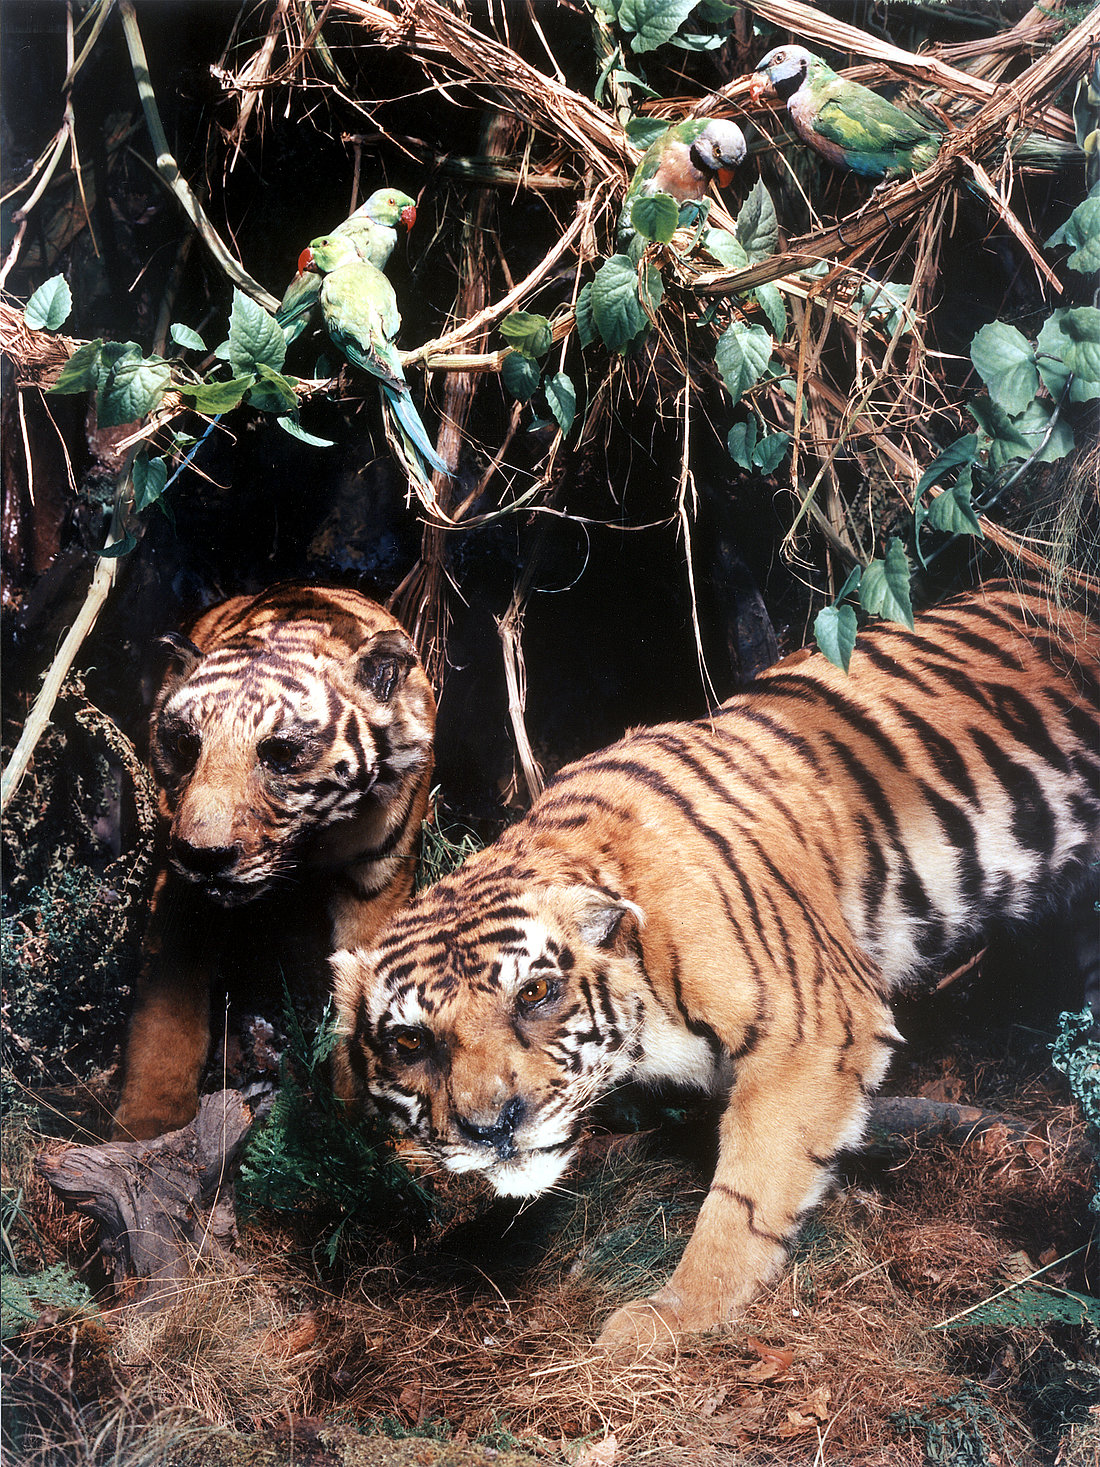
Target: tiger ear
x: 600, y: 917
x: 383, y: 663
x: 352, y: 973
x: 183, y: 650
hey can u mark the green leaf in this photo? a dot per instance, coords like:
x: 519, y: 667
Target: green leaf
x: 695, y: 41
x: 963, y: 451
x: 49, y: 306
x: 770, y: 301
x: 725, y: 248
x: 218, y: 397
x: 255, y: 338
x: 132, y: 388
x: 643, y: 131
x: 757, y: 224
x: 521, y: 375
x: 1006, y: 440
x: 294, y: 428
x: 1050, y: 353
x: 1082, y: 229
x: 527, y: 332
x: 653, y: 21
x: 185, y: 337
x: 81, y: 372
x: 742, y: 354
x: 561, y: 398
x: 1082, y: 355
x: 741, y: 442
x: 120, y: 547
x: 1005, y: 361
x: 770, y: 452
x: 835, y: 634
x: 1034, y: 424
x: 582, y: 312
x: 149, y: 476
x: 616, y: 305
x: 273, y: 393
x: 884, y: 587
x: 655, y: 216
x: 952, y: 513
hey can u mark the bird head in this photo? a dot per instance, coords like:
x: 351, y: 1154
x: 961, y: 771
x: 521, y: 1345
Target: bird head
x: 389, y: 207
x: 719, y: 148
x: 782, y: 70
x: 328, y: 252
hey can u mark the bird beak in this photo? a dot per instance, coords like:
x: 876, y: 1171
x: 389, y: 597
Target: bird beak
x: 408, y: 216
x: 759, y: 83
x: 725, y: 177
x: 306, y: 261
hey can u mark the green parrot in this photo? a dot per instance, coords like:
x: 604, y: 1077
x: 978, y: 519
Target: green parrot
x: 851, y: 126
x: 683, y: 161
x: 373, y: 231
x: 360, y: 313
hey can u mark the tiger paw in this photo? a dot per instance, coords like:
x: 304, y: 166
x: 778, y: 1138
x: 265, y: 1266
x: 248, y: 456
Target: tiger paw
x: 647, y: 1327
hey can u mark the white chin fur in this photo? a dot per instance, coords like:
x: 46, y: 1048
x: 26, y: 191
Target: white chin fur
x: 525, y: 1177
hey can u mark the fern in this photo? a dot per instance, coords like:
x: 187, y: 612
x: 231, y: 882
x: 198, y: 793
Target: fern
x: 1076, y: 1052
x: 22, y: 1299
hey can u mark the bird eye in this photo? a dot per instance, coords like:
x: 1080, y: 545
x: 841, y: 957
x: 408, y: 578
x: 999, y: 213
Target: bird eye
x: 278, y: 754
x: 409, y: 1041
x: 534, y: 992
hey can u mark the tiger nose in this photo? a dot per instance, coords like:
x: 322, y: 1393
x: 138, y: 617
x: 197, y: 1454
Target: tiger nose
x: 204, y: 860
x: 501, y: 1135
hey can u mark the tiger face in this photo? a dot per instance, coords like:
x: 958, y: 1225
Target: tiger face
x: 282, y: 746
x: 495, y: 1061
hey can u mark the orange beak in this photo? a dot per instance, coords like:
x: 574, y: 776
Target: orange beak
x: 725, y: 177
x: 408, y: 216
x: 305, y: 260
x: 759, y: 83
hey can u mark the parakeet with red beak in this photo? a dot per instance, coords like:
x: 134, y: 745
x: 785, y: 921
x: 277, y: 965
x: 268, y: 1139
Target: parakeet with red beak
x: 848, y: 124
x: 359, y: 309
x: 373, y: 231
x: 684, y: 161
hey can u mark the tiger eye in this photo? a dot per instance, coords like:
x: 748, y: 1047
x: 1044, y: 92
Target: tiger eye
x: 409, y: 1042
x: 535, y: 991
x: 185, y: 746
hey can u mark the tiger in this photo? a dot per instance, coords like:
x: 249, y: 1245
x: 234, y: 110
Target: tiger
x: 292, y: 744
x: 728, y: 904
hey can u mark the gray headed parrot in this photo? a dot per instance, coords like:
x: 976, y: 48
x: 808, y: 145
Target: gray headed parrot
x: 684, y: 160
x: 373, y: 231
x: 851, y: 126
x: 360, y: 313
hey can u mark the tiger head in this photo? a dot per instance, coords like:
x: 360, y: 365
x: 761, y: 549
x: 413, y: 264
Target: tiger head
x: 486, y: 1031
x: 289, y: 733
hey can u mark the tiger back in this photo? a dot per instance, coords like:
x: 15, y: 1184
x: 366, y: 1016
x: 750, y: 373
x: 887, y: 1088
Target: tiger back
x: 292, y: 744
x: 729, y: 904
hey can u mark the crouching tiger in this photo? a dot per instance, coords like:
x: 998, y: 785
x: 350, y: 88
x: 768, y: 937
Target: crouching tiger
x: 293, y: 739
x: 728, y: 904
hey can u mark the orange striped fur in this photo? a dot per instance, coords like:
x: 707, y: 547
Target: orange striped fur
x: 292, y: 741
x: 729, y: 904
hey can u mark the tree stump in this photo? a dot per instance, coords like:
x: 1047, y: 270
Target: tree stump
x: 164, y: 1204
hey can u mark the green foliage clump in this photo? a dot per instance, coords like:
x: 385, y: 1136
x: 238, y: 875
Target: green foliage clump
x: 1076, y: 1053
x: 956, y: 1428
x: 22, y: 1299
x: 313, y: 1157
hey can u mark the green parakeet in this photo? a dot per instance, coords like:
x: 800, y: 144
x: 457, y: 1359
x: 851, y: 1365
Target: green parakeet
x: 373, y: 231
x: 851, y: 126
x: 360, y: 313
x: 683, y: 161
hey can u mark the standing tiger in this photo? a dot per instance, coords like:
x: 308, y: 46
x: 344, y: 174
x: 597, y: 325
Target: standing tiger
x: 292, y: 739
x: 728, y: 904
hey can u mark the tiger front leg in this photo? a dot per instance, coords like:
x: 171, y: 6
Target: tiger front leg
x: 789, y: 1115
x: 169, y: 1034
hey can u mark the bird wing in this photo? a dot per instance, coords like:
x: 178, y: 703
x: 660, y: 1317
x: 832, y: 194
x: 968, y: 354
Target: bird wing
x: 361, y: 316
x: 297, y: 304
x: 859, y: 120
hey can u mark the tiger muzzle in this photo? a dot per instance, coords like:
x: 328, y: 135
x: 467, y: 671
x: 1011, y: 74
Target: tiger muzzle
x: 500, y: 1136
x: 211, y: 867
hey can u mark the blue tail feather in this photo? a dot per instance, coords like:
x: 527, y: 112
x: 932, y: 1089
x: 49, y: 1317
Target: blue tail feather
x: 405, y: 412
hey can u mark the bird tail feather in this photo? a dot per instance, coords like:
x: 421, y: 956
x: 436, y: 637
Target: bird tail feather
x: 412, y: 429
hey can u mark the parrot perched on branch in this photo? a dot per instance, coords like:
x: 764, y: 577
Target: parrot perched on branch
x: 683, y: 161
x: 360, y: 313
x: 848, y: 124
x: 373, y: 231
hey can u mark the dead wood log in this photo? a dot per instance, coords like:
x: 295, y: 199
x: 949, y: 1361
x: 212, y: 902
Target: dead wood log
x: 163, y: 1205
x: 898, y: 1120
